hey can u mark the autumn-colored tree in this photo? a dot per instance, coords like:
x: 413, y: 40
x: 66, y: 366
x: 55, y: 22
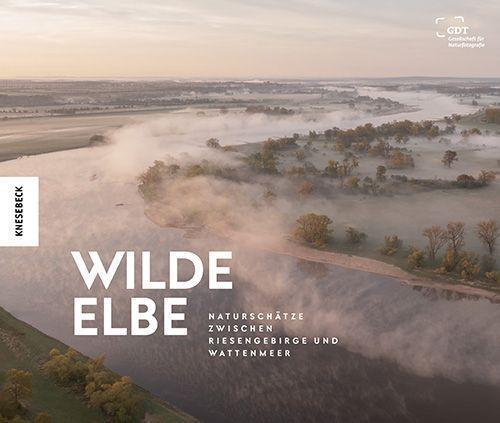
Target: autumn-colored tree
x: 493, y: 276
x: 455, y: 232
x: 486, y: 177
x: 488, y: 232
x: 416, y: 258
x: 468, y: 265
x: 399, y: 160
x: 449, y: 157
x: 466, y: 181
x: 352, y: 183
x: 117, y: 400
x: 67, y: 368
x: 18, y: 386
x: 392, y: 243
x: 381, y: 149
x: 313, y: 228
x: 436, y: 238
x: 263, y: 162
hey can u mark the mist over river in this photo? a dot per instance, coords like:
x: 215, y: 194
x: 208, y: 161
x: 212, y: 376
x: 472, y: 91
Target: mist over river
x: 403, y: 356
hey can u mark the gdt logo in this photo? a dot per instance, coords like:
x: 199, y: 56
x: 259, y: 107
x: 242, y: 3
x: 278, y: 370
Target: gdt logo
x: 453, y: 29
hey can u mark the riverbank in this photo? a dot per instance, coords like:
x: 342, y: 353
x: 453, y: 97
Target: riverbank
x: 24, y: 347
x: 283, y: 246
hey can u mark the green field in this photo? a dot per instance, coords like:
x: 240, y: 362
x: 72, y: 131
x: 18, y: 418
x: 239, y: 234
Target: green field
x: 24, y: 347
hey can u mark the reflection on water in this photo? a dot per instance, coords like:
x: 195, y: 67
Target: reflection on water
x: 317, y: 383
x: 391, y: 338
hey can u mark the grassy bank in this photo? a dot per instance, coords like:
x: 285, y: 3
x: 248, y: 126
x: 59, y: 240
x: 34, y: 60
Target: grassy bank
x: 24, y: 347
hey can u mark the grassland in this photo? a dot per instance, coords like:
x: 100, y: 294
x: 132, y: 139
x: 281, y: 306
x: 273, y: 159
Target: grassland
x: 24, y: 347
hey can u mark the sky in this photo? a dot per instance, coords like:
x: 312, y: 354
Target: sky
x: 242, y: 39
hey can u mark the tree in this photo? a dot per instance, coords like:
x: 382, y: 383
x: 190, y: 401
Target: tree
x: 352, y: 183
x: 381, y: 171
x: 488, y: 232
x: 18, y: 385
x: 150, y: 181
x: 213, y: 143
x: 466, y: 181
x: 468, y: 265
x: 66, y: 368
x: 486, y: 177
x: 332, y: 169
x: 392, y: 243
x: 436, y: 238
x: 399, y: 160
x: 415, y: 258
x: 354, y: 236
x: 313, y: 228
x: 117, y: 400
x: 263, y: 162
x: 455, y: 238
x: 449, y: 157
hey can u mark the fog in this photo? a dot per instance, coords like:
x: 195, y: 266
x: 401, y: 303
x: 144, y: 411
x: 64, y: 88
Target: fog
x: 89, y: 201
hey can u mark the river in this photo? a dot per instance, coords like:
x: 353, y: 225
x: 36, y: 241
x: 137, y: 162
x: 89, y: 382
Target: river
x: 403, y: 356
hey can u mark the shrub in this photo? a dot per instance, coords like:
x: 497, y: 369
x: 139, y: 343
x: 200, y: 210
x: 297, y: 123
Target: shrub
x: 415, y: 258
x: 493, y: 277
x: 354, y: 236
x: 391, y: 246
x: 468, y: 265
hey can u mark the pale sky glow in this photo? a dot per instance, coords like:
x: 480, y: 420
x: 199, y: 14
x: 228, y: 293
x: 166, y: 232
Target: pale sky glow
x: 241, y: 39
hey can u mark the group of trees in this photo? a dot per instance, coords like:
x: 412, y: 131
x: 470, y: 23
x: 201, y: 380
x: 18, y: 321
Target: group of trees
x: 263, y: 162
x: 279, y: 111
x: 114, y: 396
x: 466, y: 264
x: 399, y: 130
x: 341, y: 170
x: 315, y: 229
x: 150, y: 181
x: 14, y: 399
x: 399, y: 160
x: 484, y: 178
x: 279, y: 144
x: 454, y: 259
